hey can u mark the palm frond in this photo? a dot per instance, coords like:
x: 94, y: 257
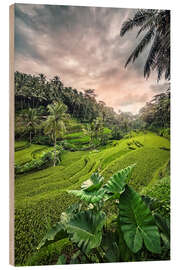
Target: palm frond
x: 138, y: 20
x: 151, y: 57
x: 149, y: 24
x: 157, y: 25
x: 143, y: 43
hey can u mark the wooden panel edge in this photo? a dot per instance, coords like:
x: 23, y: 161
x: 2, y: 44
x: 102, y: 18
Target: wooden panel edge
x: 11, y: 135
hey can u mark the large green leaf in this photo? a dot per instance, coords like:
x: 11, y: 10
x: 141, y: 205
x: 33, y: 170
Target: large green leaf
x: 137, y: 223
x: 91, y: 190
x: 89, y: 196
x: 61, y: 260
x: 56, y: 233
x: 94, y: 183
x: 116, y: 185
x: 85, y: 229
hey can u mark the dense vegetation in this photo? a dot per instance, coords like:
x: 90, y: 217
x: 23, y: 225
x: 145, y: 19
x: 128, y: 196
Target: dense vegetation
x: 78, y: 198
x: 81, y: 148
x: 130, y: 236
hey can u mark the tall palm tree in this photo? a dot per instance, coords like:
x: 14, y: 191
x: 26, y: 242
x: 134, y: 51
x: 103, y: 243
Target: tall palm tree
x: 156, y: 25
x: 54, y: 124
x: 31, y: 122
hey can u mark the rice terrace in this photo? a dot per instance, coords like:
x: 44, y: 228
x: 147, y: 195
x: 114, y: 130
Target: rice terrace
x: 92, y: 167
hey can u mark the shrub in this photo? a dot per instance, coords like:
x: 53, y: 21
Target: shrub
x: 134, y: 234
x: 161, y: 192
x: 75, y: 128
x: 44, y: 161
x: 117, y: 133
x: 42, y: 140
x: 165, y: 132
x: 68, y: 146
x: 104, y: 139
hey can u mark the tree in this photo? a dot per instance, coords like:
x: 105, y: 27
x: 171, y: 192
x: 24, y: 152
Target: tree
x: 95, y: 131
x: 31, y: 121
x: 156, y: 24
x: 54, y: 125
x: 156, y: 113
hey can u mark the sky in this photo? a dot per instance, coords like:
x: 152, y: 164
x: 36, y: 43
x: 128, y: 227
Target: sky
x: 82, y: 45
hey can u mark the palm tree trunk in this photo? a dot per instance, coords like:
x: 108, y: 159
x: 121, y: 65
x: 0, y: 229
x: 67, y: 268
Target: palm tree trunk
x: 54, y: 150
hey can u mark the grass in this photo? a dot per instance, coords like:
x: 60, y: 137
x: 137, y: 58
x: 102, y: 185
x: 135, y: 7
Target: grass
x: 40, y: 197
x: 29, y: 153
x: 19, y: 144
x: 81, y: 138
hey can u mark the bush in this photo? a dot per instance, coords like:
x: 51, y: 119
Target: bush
x: 75, y: 128
x: 134, y: 233
x: 68, y: 146
x: 161, y: 192
x: 117, y: 133
x: 104, y: 139
x: 42, y: 140
x: 165, y: 132
x: 44, y: 161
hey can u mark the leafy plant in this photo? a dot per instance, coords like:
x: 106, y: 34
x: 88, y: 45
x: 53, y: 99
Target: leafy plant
x: 45, y: 160
x: 133, y: 230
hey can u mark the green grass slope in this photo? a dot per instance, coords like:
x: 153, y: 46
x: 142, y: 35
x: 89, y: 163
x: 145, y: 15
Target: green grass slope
x: 41, y: 196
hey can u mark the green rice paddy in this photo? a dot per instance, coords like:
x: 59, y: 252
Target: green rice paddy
x: 40, y: 197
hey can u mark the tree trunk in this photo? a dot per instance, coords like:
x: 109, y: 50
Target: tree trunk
x: 55, y: 151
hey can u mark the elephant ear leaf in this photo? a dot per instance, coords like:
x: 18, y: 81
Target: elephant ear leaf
x: 56, y: 233
x: 94, y: 183
x: 137, y: 223
x: 91, y: 190
x: 116, y: 185
x: 85, y: 229
x: 89, y: 196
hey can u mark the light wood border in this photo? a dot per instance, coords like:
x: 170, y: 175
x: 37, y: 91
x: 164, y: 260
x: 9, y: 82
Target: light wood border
x: 11, y: 135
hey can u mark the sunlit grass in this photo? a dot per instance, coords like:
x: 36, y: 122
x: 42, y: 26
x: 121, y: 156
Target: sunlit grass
x: 41, y: 196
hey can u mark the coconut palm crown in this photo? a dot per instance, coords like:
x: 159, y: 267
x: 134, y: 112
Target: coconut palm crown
x: 156, y: 26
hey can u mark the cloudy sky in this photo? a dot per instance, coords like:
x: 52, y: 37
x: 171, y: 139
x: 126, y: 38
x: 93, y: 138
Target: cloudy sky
x: 83, y: 47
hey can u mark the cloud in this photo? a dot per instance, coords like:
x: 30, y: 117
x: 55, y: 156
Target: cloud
x: 82, y: 46
x: 130, y: 99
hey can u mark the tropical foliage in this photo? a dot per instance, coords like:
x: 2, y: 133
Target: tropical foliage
x: 54, y: 124
x: 86, y: 226
x: 156, y: 113
x: 121, y: 213
x: 156, y: 25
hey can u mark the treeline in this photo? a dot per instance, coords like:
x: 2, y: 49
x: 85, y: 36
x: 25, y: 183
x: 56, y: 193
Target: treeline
x: 156, y: 114
x: 36, y: 92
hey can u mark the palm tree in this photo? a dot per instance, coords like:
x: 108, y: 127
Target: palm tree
x: 54, y: 124
x: 156, y: 24
x: 31, y: 121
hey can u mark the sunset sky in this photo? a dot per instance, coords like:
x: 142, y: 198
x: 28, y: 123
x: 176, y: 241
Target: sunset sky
x: 83, y: 47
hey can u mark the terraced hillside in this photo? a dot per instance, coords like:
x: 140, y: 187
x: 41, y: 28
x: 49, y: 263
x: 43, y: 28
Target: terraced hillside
x: 41, y: 196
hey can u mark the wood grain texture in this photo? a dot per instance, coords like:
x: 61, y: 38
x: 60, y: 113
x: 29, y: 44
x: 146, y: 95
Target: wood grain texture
x: 11, y: 135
